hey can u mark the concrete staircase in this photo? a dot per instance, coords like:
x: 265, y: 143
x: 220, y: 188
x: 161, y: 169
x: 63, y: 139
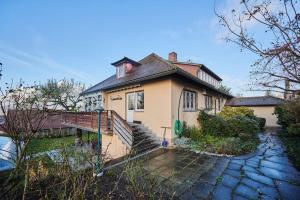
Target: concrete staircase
x: 143, y: 139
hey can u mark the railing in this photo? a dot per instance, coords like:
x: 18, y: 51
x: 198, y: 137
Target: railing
x: 122, y: 129
x: 110, y: 122
x: 87, y: 120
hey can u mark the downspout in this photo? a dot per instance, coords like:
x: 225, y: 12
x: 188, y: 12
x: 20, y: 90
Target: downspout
x: 179, y: 103
x: 178, y: 125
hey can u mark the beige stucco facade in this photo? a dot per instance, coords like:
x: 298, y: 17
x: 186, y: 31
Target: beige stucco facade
x: 112, y: 147
x: 161, y: 98
x: 191, y: 116
x: 267, y: 113
x: 157, y: 105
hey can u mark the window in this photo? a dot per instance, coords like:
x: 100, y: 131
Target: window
x: 219, y: 104
x: 135, y: 101
x: 208, y: 102
x: 120, y: 71
x: 189, y: 100
x: 140, y: 101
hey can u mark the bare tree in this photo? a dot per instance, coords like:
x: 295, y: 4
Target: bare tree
x: 64, y: 93
x: 278, y: 51
x: 24, y: 112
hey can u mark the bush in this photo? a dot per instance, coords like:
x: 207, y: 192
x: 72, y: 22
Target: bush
x: 284, y: 116
x: 237, y: 126
x: 294, y: 129
x: 225, y: 145
x: 230, y: 112
x: 242, y: 126
x: 261, y: 122
x: 185, y: 132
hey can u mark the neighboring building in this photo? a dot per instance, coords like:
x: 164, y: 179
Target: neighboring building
x: 263, y: 106
x: 153, y: 90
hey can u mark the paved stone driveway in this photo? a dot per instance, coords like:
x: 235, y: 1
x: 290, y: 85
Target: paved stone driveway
x: 264, y: 174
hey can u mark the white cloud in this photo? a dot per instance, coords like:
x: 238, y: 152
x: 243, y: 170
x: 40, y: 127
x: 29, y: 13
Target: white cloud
x: 13, y: 59
x: 42, y: 60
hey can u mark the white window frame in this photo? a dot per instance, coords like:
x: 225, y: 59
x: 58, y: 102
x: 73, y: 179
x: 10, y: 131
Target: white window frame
x: 136, y: 100
x: 120, y: 71
x: 208, y: 104
x: 189, y: 100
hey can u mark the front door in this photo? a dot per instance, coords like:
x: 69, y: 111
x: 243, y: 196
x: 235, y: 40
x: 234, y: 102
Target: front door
x: 130, y: 106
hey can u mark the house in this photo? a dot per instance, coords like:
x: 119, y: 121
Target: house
x: 263, y: 106
x: 156, y: 92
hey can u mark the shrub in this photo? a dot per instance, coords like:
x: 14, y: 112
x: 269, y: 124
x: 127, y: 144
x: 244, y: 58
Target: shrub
x: 185, y: 132
x: 284, y: 116
x: 230, y: 112
x: 225, y: 145
x: 237, y: 126
x: 242, y: 126
x: 294, y: 129
x: 288, y: 113
x: 194, y: 132
x: 261, y: 122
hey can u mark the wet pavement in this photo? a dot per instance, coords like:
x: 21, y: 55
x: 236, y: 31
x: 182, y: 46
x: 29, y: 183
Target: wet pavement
x: 266, y: 173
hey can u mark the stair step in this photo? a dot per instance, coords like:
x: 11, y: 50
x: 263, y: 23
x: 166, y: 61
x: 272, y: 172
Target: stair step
x: 142, y: 142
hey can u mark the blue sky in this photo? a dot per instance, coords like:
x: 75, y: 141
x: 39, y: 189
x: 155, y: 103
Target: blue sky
x: 79, y: 39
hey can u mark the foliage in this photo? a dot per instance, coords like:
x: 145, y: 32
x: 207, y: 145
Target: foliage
x: 232, y: 135
x: 230, y: 112
x: 284, y: 116
x: 38, y: 145
x: 278, y: 57
x: 293, y: 148
x: 225, y: 89
x: 64, y: 93
x: 68, y: 180
x: 242, y: 126
x: 236, y: 126
x: 261, y: 122
x: 288, y: 115
x: 294, y: 129
x: 224, y: 145
x: 24, y: 112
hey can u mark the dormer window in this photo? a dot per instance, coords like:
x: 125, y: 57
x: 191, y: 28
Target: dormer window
x: 125, y: 66
x: 120, y: 71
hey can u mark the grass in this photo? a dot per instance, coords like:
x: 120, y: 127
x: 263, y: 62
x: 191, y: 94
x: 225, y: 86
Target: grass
x: 293, y: 149
x: 224, y: 145
x: 38, y: 145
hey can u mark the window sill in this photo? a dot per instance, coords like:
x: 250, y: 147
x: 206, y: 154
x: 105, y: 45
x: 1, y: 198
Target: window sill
x: 189, y: 110
x: 139, y: 110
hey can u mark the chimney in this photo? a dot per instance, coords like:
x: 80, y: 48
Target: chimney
x: 173, y: 57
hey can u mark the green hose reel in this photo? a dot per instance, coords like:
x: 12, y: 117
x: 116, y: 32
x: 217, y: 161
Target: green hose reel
x: 178, y: 128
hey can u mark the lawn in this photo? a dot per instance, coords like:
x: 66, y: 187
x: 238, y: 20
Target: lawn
x: 45, y: 144
x: 224, y: 145
x: 293, y: 149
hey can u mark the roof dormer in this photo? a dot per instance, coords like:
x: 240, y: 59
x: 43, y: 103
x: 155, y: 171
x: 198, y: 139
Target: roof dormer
x: 125, y: 66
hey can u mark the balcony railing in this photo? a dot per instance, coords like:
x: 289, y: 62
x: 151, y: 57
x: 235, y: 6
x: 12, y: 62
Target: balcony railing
x: 110, y: 122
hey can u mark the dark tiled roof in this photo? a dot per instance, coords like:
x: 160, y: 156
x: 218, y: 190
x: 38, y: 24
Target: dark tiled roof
x: 124, y: 60
x: 254, y: 101
x: 203, y: 67
x: 151, y: 67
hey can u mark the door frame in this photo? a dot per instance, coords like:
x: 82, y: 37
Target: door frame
x: 126, y: 106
